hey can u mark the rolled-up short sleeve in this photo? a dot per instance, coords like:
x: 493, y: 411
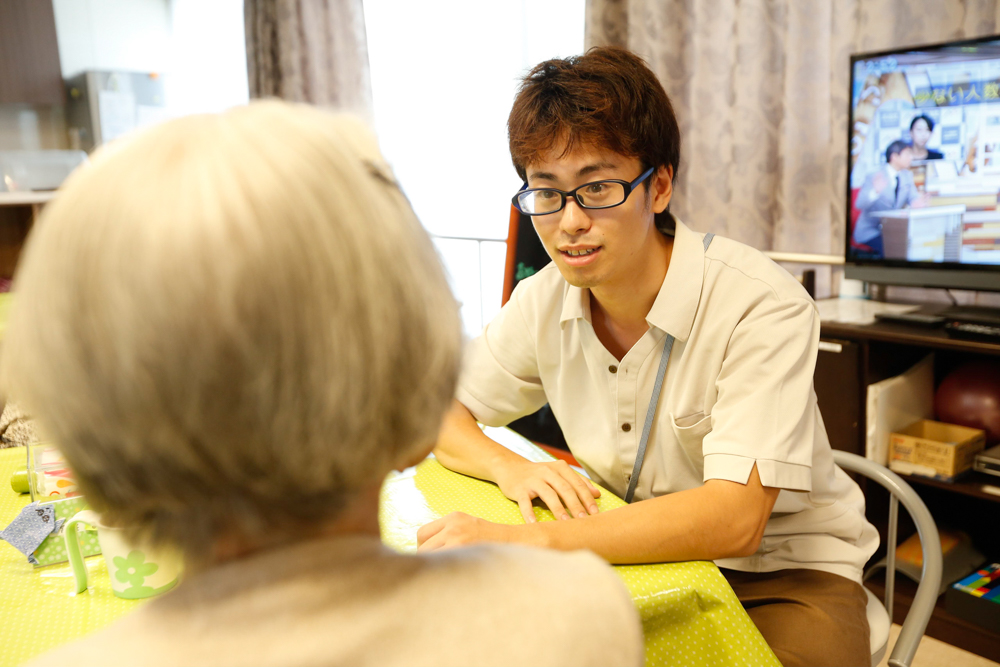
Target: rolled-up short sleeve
x: 765, y: 414
x: 500, y: 379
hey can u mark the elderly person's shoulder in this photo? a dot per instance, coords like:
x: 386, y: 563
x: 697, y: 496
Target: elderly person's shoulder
x: 352, y: 601
x: 556, y: 608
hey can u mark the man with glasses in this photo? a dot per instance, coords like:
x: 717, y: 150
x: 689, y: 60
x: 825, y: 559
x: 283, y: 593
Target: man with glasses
x: 679, y: 368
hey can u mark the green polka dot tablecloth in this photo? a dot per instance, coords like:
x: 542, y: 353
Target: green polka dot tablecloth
x: 38, y: 610
x: 690, y: 615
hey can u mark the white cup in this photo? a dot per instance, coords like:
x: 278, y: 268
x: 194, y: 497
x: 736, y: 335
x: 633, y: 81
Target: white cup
x: 135, y: 571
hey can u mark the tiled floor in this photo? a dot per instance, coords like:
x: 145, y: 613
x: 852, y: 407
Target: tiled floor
x: 934, y: 653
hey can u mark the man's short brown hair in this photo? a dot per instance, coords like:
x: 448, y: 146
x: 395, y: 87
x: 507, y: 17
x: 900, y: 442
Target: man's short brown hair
x: 607, y: 98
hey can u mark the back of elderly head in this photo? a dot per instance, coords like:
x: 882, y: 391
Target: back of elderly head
x: 231, y: 325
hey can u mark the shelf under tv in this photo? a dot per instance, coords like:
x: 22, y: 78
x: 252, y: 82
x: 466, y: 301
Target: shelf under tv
x: 943, y: 626
x: 974, y: 484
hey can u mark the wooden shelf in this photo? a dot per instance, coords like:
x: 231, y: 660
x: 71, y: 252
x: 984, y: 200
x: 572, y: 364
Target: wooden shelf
x: 942, y: 626
x: 902, y: 334
x: 26, y: 198
x: 873, y: 352
x: 975, y: 484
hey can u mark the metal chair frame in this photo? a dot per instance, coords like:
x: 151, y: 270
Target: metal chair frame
x: 930, y: 579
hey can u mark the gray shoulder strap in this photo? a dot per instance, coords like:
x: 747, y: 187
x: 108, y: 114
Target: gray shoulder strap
x: 661, y: 372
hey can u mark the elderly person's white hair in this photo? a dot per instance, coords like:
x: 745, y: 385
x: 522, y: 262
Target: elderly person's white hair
x: 232, y: 323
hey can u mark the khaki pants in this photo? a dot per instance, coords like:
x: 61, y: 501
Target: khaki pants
x: 807, y: 617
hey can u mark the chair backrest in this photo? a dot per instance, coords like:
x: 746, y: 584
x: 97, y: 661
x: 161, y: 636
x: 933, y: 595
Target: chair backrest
x: 930, y: 579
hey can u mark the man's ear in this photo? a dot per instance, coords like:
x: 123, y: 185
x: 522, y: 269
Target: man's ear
x: 662, y: 188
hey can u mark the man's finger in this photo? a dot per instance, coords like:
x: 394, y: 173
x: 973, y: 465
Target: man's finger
x: 551, y: 500
x: 432, y: 544
x: 568, y: 492
x: 428, y: 530
x: 585, y: 491
x: 527, y: 511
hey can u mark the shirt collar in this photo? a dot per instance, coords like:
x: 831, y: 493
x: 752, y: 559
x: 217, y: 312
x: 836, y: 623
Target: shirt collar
x: 576, y: 304
x: 676, y: 303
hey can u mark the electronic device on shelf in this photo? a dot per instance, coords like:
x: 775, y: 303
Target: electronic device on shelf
x: 917, y: 318
x: 975, y: 322
x: 938, y: 223
x: 988, y: 461
x: 973, y: 331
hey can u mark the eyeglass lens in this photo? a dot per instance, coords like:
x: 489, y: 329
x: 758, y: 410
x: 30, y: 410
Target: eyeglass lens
x: 594, y: 195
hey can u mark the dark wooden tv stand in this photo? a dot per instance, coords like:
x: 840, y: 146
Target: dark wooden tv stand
x: 869, y: 353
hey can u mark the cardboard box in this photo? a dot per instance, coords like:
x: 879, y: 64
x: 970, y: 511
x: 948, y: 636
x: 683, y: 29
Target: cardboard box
x: 935, y: 449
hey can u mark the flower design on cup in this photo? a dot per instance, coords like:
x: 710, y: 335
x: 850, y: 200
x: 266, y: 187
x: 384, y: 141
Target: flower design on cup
x: 133, y: 569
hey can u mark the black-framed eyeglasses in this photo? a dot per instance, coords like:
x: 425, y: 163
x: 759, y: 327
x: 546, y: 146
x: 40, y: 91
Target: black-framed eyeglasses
x: 599, y: 194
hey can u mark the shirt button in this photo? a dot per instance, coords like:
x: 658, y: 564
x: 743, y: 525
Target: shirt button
x: 626, y: 427
x: 613, y: 368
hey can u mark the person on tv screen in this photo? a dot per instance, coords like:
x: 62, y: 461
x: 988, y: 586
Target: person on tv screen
x: 887, y: 189
x: 921, y: 128
x: 730, y: 462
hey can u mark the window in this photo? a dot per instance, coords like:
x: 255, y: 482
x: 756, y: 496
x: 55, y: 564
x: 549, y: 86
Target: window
x: 444, y: 74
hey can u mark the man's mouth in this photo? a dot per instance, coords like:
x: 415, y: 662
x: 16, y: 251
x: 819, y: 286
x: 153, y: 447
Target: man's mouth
x: 579, y: 253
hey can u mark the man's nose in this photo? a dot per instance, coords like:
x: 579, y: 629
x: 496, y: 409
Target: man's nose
x: 575, y: 219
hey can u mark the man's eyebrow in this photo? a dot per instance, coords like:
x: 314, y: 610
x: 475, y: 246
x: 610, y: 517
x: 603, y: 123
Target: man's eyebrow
x: 589, y: 169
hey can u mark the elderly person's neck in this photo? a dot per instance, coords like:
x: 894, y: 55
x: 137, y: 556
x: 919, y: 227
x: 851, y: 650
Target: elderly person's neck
x: 358, y: 519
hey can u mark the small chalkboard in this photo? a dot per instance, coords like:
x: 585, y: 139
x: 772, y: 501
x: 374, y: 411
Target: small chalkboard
x: 529, y: 256
x: 527, y: 259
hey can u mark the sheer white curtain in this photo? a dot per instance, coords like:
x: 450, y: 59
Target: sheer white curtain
x: 208, y: 71
x: 444, y: 74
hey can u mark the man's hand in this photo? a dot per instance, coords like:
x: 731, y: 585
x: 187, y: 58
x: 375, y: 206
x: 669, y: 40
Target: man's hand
x: 463, y: 447
x: 879, y: 181
x: 458, y: 529
x: 566, y: 493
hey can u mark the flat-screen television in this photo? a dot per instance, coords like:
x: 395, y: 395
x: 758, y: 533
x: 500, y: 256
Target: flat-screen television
x: 924, y: 166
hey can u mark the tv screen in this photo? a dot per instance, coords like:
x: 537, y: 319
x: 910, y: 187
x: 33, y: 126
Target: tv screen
x: 924, y: 166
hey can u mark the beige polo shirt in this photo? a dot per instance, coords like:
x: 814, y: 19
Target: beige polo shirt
x: 738, y: 391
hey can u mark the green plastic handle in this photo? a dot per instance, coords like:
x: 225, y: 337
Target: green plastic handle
x: 89, y: 518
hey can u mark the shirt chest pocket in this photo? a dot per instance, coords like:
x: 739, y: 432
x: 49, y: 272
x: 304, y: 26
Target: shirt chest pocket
x: 690, y: 431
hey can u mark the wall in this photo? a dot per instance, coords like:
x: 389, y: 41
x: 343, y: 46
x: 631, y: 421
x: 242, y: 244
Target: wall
x: 131, y: 35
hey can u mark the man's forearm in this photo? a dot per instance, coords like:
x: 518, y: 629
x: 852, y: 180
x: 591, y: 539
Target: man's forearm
x: 463, y: 447
x: 706, y: 523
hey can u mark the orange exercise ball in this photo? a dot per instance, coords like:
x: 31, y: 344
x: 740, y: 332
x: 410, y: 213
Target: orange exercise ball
x: 970, y: 396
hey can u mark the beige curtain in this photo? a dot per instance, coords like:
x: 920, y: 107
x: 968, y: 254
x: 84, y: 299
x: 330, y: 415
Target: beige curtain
x: 309, y: 51
x: 760, y: 88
